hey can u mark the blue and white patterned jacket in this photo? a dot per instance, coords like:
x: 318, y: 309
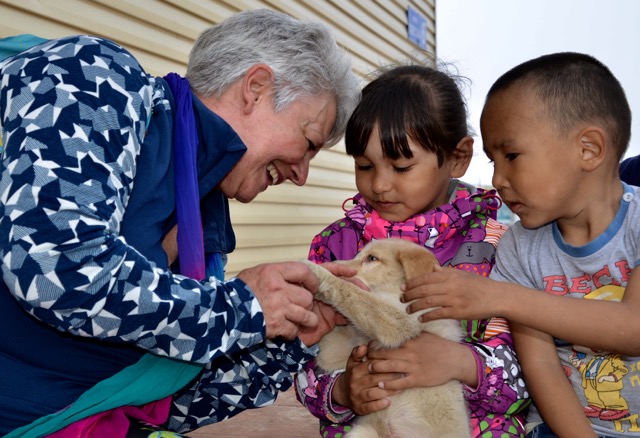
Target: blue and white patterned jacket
x: 86, y: 196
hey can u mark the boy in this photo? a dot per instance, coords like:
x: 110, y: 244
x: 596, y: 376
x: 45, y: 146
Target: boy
x: 556, y: 128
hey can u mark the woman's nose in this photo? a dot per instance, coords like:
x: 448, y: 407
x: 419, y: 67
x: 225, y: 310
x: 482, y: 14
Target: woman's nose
x: 300, y: 172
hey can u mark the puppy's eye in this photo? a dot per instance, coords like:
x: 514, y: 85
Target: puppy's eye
x: 372, y: 258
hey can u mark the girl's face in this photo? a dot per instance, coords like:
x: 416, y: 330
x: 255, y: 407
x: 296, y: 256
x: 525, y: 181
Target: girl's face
x: 398, y: 189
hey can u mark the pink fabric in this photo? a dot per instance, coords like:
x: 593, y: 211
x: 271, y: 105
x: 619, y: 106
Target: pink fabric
x: 115, y: 423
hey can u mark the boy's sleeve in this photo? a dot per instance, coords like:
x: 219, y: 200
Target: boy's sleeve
x: 508, y: 256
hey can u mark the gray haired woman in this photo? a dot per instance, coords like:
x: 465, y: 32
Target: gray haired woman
x: 114, y: 226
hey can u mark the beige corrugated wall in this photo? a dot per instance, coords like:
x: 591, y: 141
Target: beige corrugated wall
x: 279, y: 224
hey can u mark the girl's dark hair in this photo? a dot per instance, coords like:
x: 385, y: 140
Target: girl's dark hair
x: 575, y: 88
x: 410, y: 101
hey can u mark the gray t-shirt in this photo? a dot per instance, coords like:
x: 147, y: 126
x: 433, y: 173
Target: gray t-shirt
x: 607, y: 384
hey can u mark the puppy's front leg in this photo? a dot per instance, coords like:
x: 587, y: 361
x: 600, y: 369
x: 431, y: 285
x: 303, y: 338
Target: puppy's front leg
x: 386, y: 322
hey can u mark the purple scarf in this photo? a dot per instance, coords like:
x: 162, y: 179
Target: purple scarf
x: 185, y: 143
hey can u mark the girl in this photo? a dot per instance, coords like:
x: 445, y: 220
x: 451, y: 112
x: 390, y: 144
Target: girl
x: 409, y: 138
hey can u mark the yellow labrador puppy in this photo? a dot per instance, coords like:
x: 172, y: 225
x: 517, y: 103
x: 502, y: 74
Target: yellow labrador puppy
x: 379, y: 316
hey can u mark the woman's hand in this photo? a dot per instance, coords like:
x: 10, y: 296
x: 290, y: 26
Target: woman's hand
x: 345, y: 272
x: 425, y: 361
x: 285, y: 292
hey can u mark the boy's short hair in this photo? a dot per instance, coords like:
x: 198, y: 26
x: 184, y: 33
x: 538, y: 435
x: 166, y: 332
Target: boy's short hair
x: 576, y: 88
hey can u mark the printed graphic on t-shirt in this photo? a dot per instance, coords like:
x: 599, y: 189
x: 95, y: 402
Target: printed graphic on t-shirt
x: 609, y: 275
x: 603, y: 375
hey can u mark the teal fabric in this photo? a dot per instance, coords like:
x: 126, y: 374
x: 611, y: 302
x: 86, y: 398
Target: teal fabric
x: 13, y: 45
x: 151, y: 378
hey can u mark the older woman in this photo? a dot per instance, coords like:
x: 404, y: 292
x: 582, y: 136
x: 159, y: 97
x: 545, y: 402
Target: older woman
x: 114, y: 224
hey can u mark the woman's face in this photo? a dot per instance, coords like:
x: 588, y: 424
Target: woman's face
x: 280, y: 145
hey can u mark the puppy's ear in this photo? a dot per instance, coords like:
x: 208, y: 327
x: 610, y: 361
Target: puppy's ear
x: 416, y: 261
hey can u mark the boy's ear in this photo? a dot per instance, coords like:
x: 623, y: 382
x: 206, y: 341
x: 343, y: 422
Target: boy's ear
x: 461, y: 158
x: 594, y: 144
x: 257, y: 84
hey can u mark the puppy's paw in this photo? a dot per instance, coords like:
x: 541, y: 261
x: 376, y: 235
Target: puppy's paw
x: 325, y: 278
x: 316, y: 269
x: 392, y: 334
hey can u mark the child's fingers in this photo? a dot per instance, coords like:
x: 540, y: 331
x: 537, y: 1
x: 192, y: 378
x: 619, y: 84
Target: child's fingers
x: 393, y: 367
x: 437, y: 276
x: 440, y: 313
x: 373, y: 406
x: 422, y: 304
x: 397, y: 385
x: 428, y: 285
x: 359, y: 353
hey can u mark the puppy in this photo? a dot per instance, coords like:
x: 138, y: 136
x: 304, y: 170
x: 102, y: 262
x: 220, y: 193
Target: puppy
x: 379, y: 316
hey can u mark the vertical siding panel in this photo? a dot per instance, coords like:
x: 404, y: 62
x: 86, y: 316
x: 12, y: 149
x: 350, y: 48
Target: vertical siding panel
x: 280, y: 223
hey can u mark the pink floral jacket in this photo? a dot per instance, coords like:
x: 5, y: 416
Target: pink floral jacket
x: 462, y: 234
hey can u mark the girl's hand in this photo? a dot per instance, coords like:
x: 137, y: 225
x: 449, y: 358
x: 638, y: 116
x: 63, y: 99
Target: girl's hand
x: 425, y: 361
x: 358, y: 389
x: 456, y: 294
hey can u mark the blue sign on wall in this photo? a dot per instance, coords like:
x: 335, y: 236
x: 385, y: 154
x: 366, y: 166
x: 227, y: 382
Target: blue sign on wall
x: 417, y: 28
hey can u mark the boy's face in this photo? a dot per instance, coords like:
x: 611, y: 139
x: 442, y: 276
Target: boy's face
x: 536, y: 170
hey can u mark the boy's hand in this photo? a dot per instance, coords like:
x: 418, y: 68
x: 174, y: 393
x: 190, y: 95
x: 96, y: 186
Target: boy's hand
x: 456, y: 294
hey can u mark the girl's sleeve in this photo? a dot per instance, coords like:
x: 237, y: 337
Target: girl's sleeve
x: 501, y: 389
x: 501, y: 397
x: 74, y: 114
x: 313, y: 390
x: 339, y: 241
